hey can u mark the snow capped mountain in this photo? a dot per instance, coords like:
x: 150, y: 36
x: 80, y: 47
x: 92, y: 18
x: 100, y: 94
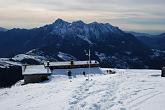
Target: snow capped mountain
x: 60, y: 27
x: 79, y: 28
x: 66, y: 57
x: 63, y: 40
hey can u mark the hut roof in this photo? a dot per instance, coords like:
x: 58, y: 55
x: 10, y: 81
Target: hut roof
x: 67, y: 63
x: 35, y: 69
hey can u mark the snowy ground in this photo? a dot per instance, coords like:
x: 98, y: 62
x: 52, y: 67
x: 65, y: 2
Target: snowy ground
x: 126, y: 90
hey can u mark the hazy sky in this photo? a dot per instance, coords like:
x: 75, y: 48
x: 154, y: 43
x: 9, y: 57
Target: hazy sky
x: 133, y: 15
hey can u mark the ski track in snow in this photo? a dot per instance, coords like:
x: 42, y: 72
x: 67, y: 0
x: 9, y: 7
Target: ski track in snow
x: 126, y: 90
x: 113, y: 94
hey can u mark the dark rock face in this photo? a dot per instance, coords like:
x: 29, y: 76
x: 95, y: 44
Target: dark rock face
x: 10, y: 75
x: 30, y: 62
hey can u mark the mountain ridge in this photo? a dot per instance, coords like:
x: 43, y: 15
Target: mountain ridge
x: 3, y: 29
x: 154, y: 41
x: 109, y: 44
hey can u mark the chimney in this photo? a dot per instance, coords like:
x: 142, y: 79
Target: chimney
x: 24, y: 67
x: 72, y: 62
x: 47, y: 63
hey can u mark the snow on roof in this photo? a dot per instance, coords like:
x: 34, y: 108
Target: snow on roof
x: 35, y: 69
x: 69, y: 63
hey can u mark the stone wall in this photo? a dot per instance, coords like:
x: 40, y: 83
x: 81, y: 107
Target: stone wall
x: 35, y: 78
x: 10, y: 75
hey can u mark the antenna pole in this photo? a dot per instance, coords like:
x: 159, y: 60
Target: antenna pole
x: 89, y: 63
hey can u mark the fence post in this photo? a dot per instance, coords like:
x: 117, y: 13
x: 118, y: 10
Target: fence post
x: 163, y: 72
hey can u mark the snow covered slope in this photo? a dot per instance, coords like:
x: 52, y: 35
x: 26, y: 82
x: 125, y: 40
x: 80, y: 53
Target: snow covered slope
x: 126, y: 90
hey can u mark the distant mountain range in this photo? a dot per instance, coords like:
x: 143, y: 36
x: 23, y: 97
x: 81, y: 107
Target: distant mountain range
x: 62, y: 40
x: 3, y: 29
x: 138, y: 33
x: 154, y: 41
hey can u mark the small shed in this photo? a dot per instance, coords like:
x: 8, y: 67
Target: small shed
x: 35, y: 73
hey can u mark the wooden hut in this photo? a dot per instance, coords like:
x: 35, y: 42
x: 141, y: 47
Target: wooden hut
x: 35, y: 73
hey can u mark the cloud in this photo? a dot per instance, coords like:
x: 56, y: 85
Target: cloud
x: 32, y: 13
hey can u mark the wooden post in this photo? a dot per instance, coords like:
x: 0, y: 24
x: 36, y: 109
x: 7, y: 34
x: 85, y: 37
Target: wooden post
x: 24, y: 67
x: 71, y: 62
x: 47, y: 63
x: 47, y: 66
x: 163, y: 72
